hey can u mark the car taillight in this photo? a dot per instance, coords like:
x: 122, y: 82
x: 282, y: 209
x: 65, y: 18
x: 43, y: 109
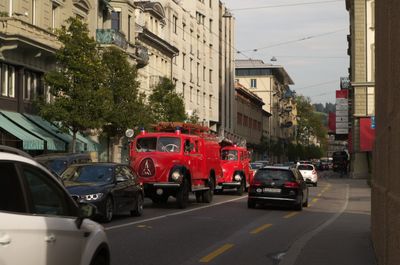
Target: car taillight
x: 291, y: 184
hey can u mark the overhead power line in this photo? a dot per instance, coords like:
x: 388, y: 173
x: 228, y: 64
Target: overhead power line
x: 315, y: 85
x: 292, y: 41
x: 285, y: 5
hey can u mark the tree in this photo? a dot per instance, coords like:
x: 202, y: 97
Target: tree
x: 310, y: 123
x: 127, y: 103
x: 166, y: 104
x: 77, y: 84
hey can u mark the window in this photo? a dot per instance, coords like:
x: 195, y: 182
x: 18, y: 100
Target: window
x: 31, y: 85
x: 183, y: 89
x: 54, y: 11
x: 210, y: 102
x: 183, y: 60
x: 47, y: 197
x: 210, y: 3
x: 253, y: 83
x: 116, y: 20
x: 175, y: 24
x: 211, y: 24
x: 204, y: 99
x: 129, y: 27
x: 204, y: 73
x: 34, y: 12
x: 210, y: 73
x: 183, y: 31
x: 198, y: 73
x: 239, y: 118
x: 7, y: 78
x: 11, y: 194
x: 191, y: 94
x: 198, y: 97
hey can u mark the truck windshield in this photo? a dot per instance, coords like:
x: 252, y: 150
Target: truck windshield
x: 229, y: 155
x: 162, y: 144
x: 169, y: 144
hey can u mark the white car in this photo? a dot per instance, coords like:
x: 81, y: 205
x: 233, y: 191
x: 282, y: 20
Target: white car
x: 39, y: 222
x: 309, y: 173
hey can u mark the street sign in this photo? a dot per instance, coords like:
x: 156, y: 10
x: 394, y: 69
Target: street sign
x: 342, y: 119
x: 342, y: 131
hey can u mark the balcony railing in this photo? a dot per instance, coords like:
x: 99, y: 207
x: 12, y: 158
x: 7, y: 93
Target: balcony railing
x: 111, y: 36
x: 142, y: 56
x: 11, y: 27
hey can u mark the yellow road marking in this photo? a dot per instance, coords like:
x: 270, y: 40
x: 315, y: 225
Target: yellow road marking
x: 261, y: 228
x: 314, y: 200
x: 319, y: 194
x: 216, y: 253
x: 291, y: 214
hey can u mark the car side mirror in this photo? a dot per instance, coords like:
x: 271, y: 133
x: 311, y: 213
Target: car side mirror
x: 85, y: 210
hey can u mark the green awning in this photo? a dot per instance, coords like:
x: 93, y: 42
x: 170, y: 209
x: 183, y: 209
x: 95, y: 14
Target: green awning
x: 53, y: 143
x: 90, y: 144
x: 53, y: 129
x: 29, y: 141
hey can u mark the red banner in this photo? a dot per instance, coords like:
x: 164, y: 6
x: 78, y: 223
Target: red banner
x: 344, y: 93
x: 332, y: 121
x: 367, y: 135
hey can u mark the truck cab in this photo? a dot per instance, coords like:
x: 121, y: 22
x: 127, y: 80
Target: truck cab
x: 175, y: 164
x: 237, y: 174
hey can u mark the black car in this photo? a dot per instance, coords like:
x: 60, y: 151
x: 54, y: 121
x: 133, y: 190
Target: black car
x: 58, y: 162
x: 111, y: 187
x: 280, y: 186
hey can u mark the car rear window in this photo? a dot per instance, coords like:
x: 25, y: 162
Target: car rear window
x: 305, y: 167
x: 274, y: 174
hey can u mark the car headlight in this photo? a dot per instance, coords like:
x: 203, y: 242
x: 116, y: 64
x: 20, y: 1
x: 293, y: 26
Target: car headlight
x: 93, y: 197
x: 176, y: 176
x: 237, y: 177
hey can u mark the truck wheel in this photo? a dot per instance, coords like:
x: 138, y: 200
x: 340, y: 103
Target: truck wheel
x: 182, y: 196
x: 199, y: 196
x: 240, y: 189
x: 158, y: 199
x: 208, y: 194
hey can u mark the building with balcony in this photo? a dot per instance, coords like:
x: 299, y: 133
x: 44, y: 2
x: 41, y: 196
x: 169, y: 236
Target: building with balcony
x: 195, y: 29
x: 150, y: 34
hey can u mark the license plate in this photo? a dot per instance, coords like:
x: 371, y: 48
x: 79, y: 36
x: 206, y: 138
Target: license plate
x: 271, y: 190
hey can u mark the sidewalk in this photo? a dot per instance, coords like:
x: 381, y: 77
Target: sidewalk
x: 347, y: 239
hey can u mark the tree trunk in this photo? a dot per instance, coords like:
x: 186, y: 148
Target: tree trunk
x: 73, y: 147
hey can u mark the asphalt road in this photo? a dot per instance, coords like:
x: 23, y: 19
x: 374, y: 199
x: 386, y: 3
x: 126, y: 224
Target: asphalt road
x: 334, y: 229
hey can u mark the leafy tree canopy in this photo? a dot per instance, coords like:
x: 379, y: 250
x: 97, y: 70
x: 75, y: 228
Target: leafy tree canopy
x: 165, y: 104
x: 80, y: 99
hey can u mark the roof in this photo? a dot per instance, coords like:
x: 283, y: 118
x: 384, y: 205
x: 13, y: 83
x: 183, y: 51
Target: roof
x: 259, y: 64
x: 249, y: 94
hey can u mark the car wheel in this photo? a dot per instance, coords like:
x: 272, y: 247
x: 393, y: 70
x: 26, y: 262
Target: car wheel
x: 299, y: 206
x: 138, y: 210
x: 109, y: 210
x: 100, y: 259
x: 240, y: 189
x: 251, y: 204
x: 182, y: 197
x: 208, y: 194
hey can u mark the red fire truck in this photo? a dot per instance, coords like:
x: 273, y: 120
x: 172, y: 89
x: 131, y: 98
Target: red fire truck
x: 237, y: 174
x: 173, y: 163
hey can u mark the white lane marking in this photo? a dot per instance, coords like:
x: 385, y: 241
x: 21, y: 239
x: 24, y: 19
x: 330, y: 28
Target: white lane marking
x: 294, y: 251
x: 172, y: 214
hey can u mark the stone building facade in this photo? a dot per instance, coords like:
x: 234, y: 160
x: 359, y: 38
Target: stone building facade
x: 385, y: 221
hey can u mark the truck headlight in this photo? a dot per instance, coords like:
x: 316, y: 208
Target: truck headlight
x: 237, y: 177
x: 176, y: 176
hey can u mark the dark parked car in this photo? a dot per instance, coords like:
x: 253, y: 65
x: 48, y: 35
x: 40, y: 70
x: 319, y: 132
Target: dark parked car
x: 58, y: 162
x: 112, y: 187
x: 280, y: 186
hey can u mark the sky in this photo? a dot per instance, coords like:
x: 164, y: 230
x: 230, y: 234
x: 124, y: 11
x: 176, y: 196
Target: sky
x: 307, y: 38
